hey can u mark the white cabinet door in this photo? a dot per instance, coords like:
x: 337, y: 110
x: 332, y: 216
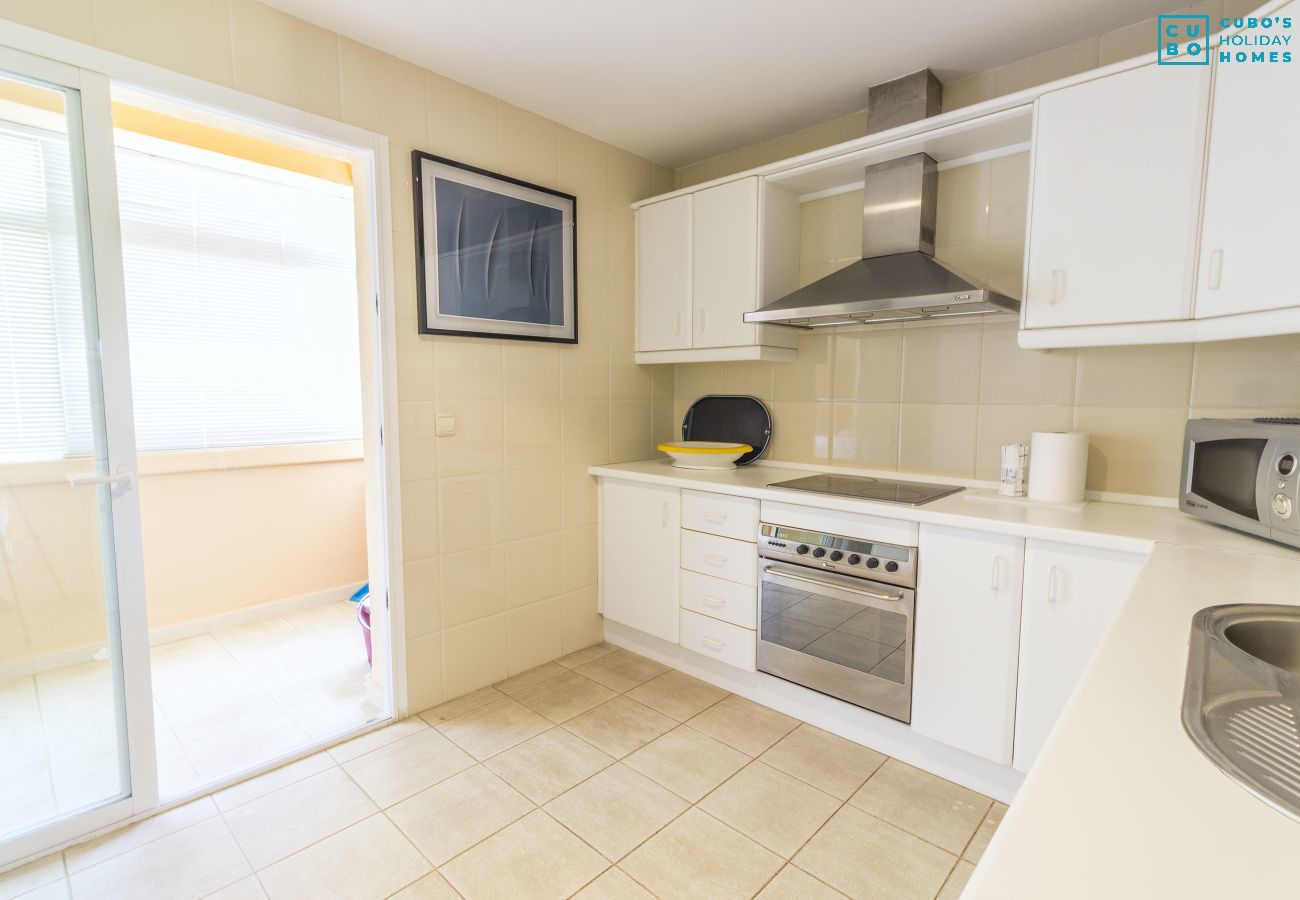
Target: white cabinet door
x: 967, y: 632
x: 724, y: 257
x: 1071, y: 597
x: 1116, y: 197
x: 663, y: 275
x: 639, y: 526
x: 1251, y: 193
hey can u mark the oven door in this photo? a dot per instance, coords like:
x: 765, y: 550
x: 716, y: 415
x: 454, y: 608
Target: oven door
x: 843, y: 636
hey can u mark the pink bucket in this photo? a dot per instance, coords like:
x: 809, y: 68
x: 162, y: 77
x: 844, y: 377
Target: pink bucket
x: 363, y: 616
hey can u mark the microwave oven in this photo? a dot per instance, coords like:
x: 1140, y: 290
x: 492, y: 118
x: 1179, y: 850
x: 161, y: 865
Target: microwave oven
x: 1244, y: 474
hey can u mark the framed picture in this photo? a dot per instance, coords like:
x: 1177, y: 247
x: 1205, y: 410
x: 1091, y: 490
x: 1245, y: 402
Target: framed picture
x: 495, y: 256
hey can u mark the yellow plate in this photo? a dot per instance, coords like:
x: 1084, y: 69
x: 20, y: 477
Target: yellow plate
x: 703, y: 447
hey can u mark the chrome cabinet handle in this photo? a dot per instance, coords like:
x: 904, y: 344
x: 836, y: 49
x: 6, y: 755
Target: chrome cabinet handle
x: 1057, y: 290
x: 713, y: 643
x: 714, y: 602
x: 715, y: 559
x: 715, y: 517
x: 875, y: 595
x: 83, y: 480
x: 1216, y: 269
x: 1053, y: 585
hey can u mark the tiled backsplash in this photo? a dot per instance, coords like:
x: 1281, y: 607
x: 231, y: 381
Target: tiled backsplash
x: 940, y: 398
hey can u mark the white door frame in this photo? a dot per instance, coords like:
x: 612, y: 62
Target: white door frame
x: 368, y: 153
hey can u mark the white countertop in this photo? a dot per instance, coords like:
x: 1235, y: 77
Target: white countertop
x: 1120, y: 803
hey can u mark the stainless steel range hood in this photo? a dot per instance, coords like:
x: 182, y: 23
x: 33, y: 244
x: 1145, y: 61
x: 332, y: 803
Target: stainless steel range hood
x: 897, y: 278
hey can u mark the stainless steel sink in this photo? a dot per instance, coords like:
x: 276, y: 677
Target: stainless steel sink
x: 1241, y: 701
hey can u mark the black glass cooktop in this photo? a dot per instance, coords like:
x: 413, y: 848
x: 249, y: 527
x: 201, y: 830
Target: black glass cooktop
x: 882, y: 490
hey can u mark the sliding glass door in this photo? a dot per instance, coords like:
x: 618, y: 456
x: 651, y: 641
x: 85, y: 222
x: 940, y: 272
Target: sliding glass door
x: 75, y: 711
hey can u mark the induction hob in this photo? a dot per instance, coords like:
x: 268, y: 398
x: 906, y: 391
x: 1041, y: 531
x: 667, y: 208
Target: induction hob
x: 882, y: 490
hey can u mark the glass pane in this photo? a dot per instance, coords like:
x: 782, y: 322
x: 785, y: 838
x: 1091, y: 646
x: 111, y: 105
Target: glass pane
x: 1224, y: 472
x: 847, y: 634
x: 62, y: 724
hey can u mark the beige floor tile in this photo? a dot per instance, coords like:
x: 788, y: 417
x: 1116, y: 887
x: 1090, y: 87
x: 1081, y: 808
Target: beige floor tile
x: 31, y: 876
x: 615, y: 810
x: 431, y: 887
x: 456, y: 814
x: 193, y: 862
x: 956, y: 882
x: 284, y: 822
x: 546, y: 766
x: 404, y: 768
x: 535, y: 857
x: 261, y: 785
x: 743, y: 724
x: 565, y: 696
x: 488, y: 730
x: 462, y: 705
x: 586, y: 655
x: 943, y: 813
x: 792, y: 883
x: 614, y: 884
x: 619, y: 726
x: 373, y: 740
x: 867, y: 858
x: 621, y: 671
x: 85, y: 855
x: 773, y: 808
x: 525, y: 680
x: 677, y: 695
x: 824, y: 760
x: 688, y: 763
x: 988, y: 827
x: 368, y: 860
x: 698, y: 856
x: 245, y: 889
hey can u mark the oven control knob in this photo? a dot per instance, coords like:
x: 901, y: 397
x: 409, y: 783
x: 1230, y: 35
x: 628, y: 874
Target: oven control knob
x: 872, y: 563
x: 819, y: 552
x: 801, y: 549
x: 1282, y: 506
x: 891, y: 566
x: 836, y: 556
x: 854, y: 559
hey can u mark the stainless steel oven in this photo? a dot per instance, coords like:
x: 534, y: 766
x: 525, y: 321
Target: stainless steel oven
x: 836, y: 616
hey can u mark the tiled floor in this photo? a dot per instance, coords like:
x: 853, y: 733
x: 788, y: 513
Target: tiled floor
x: 602, y: 775
x: 223, y: 702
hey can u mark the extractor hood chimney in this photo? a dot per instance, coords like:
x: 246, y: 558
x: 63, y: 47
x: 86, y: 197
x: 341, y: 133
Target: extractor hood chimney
x: 897, y: 278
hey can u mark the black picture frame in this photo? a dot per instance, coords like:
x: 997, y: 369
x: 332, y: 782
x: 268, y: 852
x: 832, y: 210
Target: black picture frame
x: 423, y: 166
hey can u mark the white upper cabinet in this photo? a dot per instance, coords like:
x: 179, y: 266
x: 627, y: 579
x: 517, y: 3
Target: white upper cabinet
x: 1251, y: 230
x: 967, y: 635
x: 663, y: 275
x: 705, y: 259
x: 1071, y: 597
x: 1117, y: 164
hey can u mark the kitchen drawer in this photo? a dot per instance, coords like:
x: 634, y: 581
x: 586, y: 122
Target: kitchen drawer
x: 725, y: 600
x: 722, y: 641
x: 721, y: 557
x: 733, y: 517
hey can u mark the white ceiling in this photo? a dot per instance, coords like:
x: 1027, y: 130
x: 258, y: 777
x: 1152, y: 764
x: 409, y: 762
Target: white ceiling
x: 678, y: 81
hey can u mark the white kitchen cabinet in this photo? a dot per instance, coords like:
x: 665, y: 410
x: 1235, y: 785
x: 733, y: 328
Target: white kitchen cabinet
x: 706, y: 258
x: 663, y: 275
x: 967, y: 635
x: 1250, y: 229
x: 639, y: 547
x: 1115, y: 198
x: 1071, y: 597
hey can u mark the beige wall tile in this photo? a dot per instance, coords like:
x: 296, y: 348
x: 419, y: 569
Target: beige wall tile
x: 868, y: 363
x: 1069, y: 60
x: 1133, y: 450
x: 583, y: 625
x: 630, y: 180
x: 468, y: 369
x: 471, y: 512
x: 1009, y: 374
x: 530, y: 146
x: 534, y: 634
x: 1008, y: 195
x: 420, y: 582
x: 1004, y: 268
x: 531, y: 370
x: 283, y: 58
x: 463, y: 123
x: 938, y: 438
x: 810, y: 376
x: 865, y: 435
x: 474, y: 656
x: 622, y: 252
x: 532, y: 432
x: 473, y: 584
x: 478, y: 446
x: 630, y: 430
x: 579, y: 558
x: 969, y: 91
x: 964, y: 196
x: 1000, y: 425
x: 583, y: 169
x: 533, y: 569
x: 419, y: 519
x: 1246, y: 373
x: 193, y: 37
x: 577, y: 496
x: 940, y: 364
x: 532, y: 502
x: 1156, y: 375
x: 800, y: 431
x: 752, y: 379
x: 383, y: 93
x: 584, y: 431
x: 401, y: 195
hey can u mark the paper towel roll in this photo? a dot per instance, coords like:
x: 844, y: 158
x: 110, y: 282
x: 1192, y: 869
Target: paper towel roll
x: 1058, y: 466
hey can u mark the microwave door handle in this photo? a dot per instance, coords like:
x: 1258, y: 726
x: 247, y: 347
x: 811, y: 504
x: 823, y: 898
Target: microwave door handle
x: 875, y: 595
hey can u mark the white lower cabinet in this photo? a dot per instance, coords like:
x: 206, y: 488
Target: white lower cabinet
x: 640, y: 528
x: 967, y: 634
x: 723, y: 641
x: 1071, y: 597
